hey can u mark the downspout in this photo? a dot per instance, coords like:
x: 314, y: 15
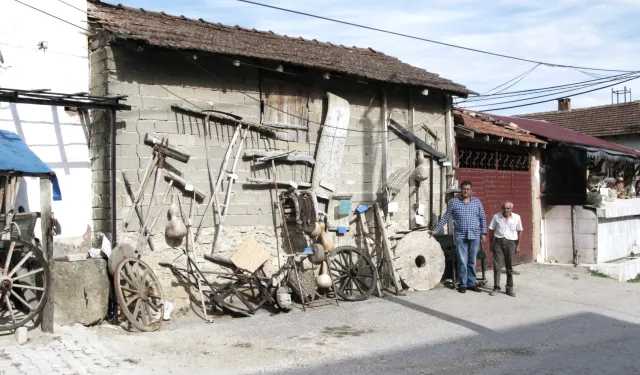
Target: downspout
x: 445, y: 181
x: 112, y: 183
x: 385, y: 145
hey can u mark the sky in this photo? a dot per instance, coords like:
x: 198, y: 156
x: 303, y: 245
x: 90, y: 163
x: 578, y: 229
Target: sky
x: 599, y: 34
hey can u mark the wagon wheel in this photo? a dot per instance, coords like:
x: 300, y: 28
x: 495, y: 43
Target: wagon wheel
x: 139, y: 294
x: 353, y: 273
x: 24, y: 282
x: 243, y: 296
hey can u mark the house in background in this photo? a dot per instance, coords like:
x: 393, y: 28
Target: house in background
x: 281, y: 85
x: 617, y: 123
x: 41, y: 52
x: 571, y: 228
x: 501, y: 161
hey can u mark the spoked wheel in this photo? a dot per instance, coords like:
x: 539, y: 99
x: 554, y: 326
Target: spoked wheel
x: 139, y: 294
x: 354, y: 274
x: 24, y: 282
x: 241, y: 297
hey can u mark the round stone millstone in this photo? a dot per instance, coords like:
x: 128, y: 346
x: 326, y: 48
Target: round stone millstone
x: 419, y: 260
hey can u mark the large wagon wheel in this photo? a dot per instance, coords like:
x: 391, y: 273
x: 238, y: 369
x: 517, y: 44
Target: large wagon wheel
x: 139, y: 294
x: 354, y: 274
x: 244, y: 296
x: 24, y: 282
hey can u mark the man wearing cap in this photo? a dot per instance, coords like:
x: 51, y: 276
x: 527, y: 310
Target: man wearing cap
x: 504, y: 241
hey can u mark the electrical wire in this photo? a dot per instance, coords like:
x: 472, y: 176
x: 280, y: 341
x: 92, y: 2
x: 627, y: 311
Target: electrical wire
x: 375, y: 131
x: 554, y: 99
x: 523, y: 76
x: 509, y: 81
x: 428, y: 40
x: 73, y: 6
x: 580, y: 84
x: 51, y: 15
x: 561, y: 92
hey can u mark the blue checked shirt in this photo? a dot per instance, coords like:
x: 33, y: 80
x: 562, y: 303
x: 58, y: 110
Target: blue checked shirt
x: 469, y: 220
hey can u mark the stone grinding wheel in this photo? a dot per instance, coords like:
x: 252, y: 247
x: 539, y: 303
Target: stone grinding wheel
x: 420, y: 260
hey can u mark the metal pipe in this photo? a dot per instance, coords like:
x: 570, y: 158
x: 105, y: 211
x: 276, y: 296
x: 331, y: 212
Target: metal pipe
x: 448, y: 136
x: 112, y: 183
x: 431, y: 190
x: 385, y: 144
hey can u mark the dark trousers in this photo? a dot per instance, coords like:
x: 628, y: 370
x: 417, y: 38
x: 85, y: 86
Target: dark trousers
x: 503, y: 253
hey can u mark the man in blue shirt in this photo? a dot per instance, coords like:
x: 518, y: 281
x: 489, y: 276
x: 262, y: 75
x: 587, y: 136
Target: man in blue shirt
x: 469, y: 228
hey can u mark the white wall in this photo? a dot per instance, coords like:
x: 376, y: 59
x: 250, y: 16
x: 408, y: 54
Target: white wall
x: 56, y: 137
x: 630, y: 141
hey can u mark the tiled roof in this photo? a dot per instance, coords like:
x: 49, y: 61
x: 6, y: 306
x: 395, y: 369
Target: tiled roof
x: 601, y: 121
x: 178, y: 32
x: 555, y: 132
x: 486, y: 124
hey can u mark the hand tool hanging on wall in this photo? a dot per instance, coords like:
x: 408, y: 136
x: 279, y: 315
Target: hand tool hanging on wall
x: 145, y: 233
x: 190, y: 247
x: 161, y: 150
x: 239, y: 135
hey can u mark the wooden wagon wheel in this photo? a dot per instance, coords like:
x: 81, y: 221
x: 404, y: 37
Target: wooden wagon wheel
x: 139, y: 294
x: 354, y: 274
x: 24, y: 282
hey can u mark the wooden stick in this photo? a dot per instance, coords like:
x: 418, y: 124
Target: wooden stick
x: 127, y: 186
x: 15, y: 193
x: 213, y: 199
x: 386, y: 248
x: 365, y: 233
x: 136, y: 199
x: 147, y: 235
x: 47, y: 247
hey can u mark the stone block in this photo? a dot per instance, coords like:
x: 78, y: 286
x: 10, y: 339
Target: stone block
x: 81, y: 291
x: 153, y: 90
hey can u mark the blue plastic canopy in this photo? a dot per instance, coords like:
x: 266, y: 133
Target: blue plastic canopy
x: 17, y: 157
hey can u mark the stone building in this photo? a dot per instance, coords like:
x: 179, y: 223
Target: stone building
x: 159, y: 61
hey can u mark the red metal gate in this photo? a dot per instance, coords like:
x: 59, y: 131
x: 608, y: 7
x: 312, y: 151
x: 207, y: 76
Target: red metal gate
x: 498, y: 176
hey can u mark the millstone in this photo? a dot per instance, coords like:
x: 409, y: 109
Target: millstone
x: 420, y: 260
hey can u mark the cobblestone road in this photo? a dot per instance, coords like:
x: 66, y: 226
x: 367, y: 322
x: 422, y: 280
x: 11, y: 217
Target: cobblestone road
x: 72, y: 350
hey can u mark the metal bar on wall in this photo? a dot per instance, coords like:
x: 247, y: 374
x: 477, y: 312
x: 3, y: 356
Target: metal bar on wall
x: 385, y: 143
x: 112, y: 183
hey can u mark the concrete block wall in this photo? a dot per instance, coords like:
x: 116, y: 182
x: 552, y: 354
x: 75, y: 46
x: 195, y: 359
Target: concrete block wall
x: 154, y: 80
x: 558, y: 229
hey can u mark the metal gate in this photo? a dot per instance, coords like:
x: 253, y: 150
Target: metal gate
x: 497, y: 176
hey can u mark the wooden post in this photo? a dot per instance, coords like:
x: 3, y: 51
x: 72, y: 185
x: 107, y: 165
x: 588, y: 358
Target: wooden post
x: 47, y: 247
x: 574, y: 234
x: 414, y: 186
x: 385, y: 145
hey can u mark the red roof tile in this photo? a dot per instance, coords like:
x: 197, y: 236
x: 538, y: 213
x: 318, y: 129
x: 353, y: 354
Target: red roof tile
x: 487, y: 126
x: 172, y: 32
x: 555, y: 132
x: 601, y: 121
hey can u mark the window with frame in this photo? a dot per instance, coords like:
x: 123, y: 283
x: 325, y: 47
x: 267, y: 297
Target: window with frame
x: 478, y: 158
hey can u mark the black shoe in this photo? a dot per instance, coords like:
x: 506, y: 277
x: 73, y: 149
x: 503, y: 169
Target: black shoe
x: 462, y: 290
x: 495, y: 292
x: 475, y: 288
x: 510, y: 293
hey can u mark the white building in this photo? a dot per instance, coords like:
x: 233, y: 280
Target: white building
x: 42, y: 52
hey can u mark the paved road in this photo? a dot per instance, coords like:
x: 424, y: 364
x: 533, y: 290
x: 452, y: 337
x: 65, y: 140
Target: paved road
x: 564, y: 321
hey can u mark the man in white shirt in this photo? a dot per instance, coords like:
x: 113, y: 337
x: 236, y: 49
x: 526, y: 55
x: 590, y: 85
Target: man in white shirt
x: 504, y: 241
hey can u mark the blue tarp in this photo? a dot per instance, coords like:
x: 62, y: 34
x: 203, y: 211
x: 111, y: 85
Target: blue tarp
x: 16, y: 156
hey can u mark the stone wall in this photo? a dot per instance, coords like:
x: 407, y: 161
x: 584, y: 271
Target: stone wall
x: 155, y: 80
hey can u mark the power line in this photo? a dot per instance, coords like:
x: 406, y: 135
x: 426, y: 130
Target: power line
x: 51, y: 15
x: 579, y: 84
x: 427, y: 40
x: 521, y: 76
x: 73, y: 6
x: 545, y: 95
x: 554, y: 99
